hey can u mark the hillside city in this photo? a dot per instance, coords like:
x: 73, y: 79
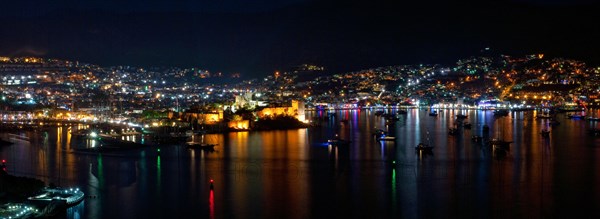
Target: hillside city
x: 34, y: 88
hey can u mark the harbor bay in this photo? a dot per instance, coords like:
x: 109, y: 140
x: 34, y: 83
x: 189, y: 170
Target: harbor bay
x: 298, y: 174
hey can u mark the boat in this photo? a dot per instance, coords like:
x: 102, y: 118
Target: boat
x: 422, y: 147
x: 545, y: 133
x: 433, y: 113
x: 569, y: 109
x: 5, y: 143
x: 499, y: 153
x: 81, y: 133
x: 18, y: 210
x: 379, y: 112
x: 379, y: 132
x: 575, y: 116
x: 453, y: 131
x: 461, y: 116
x: 593, y: 119
x: 522, y: 109
x: 200, y: 145
x: 467, y: 125
x: 178, y: 135
x: 69, y: 197
x: 19, y: 137
x: 476, y: 138
x: 337, y: 141
x: 198, y: 132
x: 391, y: 117
x: 501, y: 112
x: 544, y: 116
x: 402, y: 112
x: 386, y: 138
x: 498, y: 144
x: 486, y: 128
x: 594, y: 131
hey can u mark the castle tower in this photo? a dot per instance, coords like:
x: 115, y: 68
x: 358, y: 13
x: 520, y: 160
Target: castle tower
x: 298, y: 106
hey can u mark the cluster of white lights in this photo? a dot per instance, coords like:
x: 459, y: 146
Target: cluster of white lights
x: 20, y: 210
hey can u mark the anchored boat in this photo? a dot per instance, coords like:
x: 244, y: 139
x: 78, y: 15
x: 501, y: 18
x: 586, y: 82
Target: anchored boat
x: 69, y: 197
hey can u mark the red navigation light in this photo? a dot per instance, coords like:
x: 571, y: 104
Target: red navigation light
x: 3, y: 161
x: 211, y: 180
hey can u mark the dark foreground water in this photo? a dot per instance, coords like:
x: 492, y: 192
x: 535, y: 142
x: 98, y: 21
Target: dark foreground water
x: 291, y: 174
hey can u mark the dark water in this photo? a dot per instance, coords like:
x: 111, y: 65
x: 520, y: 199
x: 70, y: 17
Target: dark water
x: 291, y: 174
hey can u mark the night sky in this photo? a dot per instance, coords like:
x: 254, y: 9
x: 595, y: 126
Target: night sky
x: 258, y: 38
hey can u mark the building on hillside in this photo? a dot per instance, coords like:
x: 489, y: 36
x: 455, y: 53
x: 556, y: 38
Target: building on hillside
x: 205, y: 118
x: 296, y: 109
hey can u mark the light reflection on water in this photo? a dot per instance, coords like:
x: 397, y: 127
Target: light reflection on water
x: 76, y: 211
x: 292, y: 174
